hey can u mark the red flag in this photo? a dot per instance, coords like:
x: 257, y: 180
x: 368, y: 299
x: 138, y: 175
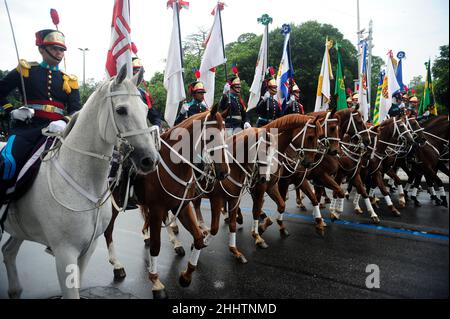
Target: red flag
x: 120, y: 47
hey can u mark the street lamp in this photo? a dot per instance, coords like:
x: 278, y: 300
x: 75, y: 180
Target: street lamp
x: 84, y: 70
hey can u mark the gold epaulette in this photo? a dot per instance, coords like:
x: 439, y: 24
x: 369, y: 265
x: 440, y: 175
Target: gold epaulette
x: 70, y: 82
x: 24, y: 67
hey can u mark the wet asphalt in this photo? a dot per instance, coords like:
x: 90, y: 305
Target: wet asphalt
x: 411, y: 253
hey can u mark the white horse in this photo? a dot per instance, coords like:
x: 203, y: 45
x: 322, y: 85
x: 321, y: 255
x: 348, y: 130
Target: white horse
x: 68, y: 206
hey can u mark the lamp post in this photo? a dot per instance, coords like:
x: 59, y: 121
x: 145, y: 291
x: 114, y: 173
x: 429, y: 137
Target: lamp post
x: 84, y: 69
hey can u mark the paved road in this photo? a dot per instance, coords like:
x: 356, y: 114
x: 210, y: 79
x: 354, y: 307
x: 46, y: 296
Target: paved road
x: 412, y: 253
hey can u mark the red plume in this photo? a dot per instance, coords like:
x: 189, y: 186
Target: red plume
x: 349, y: 92
x: 197, y: 74
x: 134, y: 48
x: 55, y: 16
x: 234, y: 69
x: 271, y: 71
x: 413, y: 91
x: 406, y: 88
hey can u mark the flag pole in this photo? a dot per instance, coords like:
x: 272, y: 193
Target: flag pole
x: 179, y: 37
x: 223, y: 44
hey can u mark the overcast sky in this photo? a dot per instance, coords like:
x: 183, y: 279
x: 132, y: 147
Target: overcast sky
x: 417, y: 27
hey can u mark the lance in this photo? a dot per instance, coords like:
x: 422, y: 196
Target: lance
x: 134, y: 49
x: 219, y: 7
x: 17, y: 54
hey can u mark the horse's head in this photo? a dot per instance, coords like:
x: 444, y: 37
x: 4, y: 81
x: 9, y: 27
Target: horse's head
x: 352, y: 123
x: 330, y: 125
x: 213, y: 146
x: 124, y: 119
x: 305, y: 140
x: 415, y: 129
x: 403, y: 132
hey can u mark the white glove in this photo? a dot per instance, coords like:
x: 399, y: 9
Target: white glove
x: 57, y: 126
x: 226, y: 88
x: 247, y: 125
x: 22, y: 114
x: 266, y: 96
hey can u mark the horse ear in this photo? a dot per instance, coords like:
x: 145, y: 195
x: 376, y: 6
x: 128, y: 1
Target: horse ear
x: 122, y: 75
x: 225, y: 112
x: 333, y: 111
x: 214, y: 109
x: 138, y: 77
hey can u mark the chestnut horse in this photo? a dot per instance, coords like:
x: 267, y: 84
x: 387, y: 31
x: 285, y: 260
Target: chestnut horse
x: 173, y: 185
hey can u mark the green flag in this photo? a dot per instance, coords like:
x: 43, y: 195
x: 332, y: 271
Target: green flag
x: 376, y: 108
x: 427, y: 99
x: 339, y: 88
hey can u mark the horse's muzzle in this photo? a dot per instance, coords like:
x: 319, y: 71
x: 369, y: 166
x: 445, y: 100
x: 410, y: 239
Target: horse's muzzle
x: 149, y: 164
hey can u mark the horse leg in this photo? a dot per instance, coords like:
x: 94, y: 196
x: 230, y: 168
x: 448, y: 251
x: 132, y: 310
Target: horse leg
x: 434, y: 178
x: 320, y: 224
x: 417, y: 180
x: 83, y: 260
x: 234, y: 205
x: 176, y: 243
x: 274, y: 193
x: 397, y: 182
x: 154, y: 220
x: 378, y: 178
x: 198, y: 213
x: 189, y: 221
x: 68, y: 271
x: 329, y: 182
x: 119, y: 271
x: 258, y: 201
x: 10, y: 250
x: 362, y: 192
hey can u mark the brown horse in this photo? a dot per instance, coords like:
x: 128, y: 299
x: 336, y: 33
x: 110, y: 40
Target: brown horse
x: 172, y: 186
x: 350, y: 124
x: 431, y: 156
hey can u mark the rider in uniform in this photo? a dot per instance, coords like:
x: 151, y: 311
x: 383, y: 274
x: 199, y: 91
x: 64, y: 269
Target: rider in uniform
x: 293, y: 105
x: 268, y: 108
x: 237, y: 116
x: 52, y: 96
x: 197, y: 104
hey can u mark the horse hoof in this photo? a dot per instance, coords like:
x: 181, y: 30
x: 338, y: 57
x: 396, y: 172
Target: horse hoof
x: 119, y: 274
x: 375, y: 220
x: 417, y: 203
x: 184, y: 282
x: 241, y: 258
x: 180, y: 251
x: 14, y: 294
x: 334, y: 217
x: 444, y: 202
x: 320, y: 230
x: 396, y: 213
x: 160, y: 294
x: 262, y: 244
x: 358, y: 211
x: 147, y: 242
x: 284, y: 233
x: 303, y: 208
x: 401, y: 205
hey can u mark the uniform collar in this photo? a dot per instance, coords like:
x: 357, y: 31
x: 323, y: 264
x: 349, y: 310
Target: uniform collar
x: 45, y: 65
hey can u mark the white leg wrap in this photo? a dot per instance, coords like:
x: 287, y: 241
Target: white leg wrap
x: 194, y: 257
x: 414, y: 192
x: 356, y: 200
x: 112, y: 257
x: 255, y: 227
x: 280, y: 217
x: 153, y: 267
x: 400, y: 190
x: 340, y: 207
x: 442, y: 192
x: 369, y: 207
x: 431, y: 191
x: 333, y: 204
x: 407, y: 187
x: 232, y: 240
x: 388, y: 200
x: 316, y: 212
x: 372, y: 192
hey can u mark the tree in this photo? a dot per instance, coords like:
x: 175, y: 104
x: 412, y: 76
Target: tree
x: 14, y: 97
x: 440, y: 81
x: 87, y: 89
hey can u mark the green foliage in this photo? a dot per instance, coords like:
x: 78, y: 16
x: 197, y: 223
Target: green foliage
x: 14, y: 97
x: 87, y: 89
x: 441, y: 81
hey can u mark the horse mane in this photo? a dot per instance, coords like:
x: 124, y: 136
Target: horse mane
x: 288, y: 122
x: 71, y: 124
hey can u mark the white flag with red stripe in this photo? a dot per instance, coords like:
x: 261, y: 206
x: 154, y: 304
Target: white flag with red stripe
x: 212, y: 57
x: 119, y: 52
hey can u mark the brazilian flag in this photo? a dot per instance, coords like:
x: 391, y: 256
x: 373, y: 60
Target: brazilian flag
x: 376, y: 109
x: 339, y: 87
x: 427, y: 99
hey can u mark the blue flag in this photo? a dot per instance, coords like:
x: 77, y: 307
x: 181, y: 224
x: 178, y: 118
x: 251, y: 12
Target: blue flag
x: 285, y: 70
x: 399, y: 73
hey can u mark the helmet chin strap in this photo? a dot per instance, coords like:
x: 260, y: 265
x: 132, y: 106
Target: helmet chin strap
x: 52, y: 56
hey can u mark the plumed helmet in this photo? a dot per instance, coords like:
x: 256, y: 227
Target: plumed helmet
x: 234, y: 79
x: 414, y: 99
x: 50, y: 37
x: 136, y: 62
x: 355, y: 96
x: 196, y: 86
